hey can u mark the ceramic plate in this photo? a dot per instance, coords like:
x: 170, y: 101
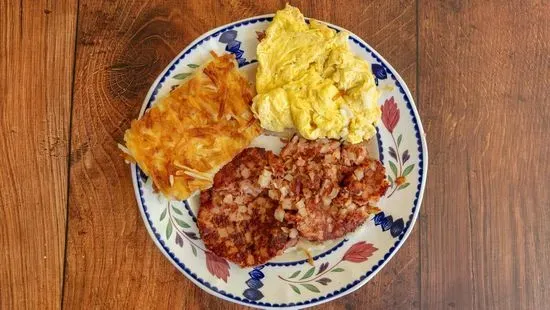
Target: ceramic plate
x: 341, y: 266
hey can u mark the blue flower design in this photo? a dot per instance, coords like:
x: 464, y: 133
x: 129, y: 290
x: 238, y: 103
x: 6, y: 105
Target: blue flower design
x: 387, y: 223
x: 254, y: 284
x: 233, y: 46
x: 228, y: 36
x: 379, y: 73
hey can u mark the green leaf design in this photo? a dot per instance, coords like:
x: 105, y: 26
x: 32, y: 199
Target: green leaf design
x: 337, y: 269
x: 311, y: 287
x: 194, y: 250
x: 391, y: 180
x: 408, y: 170
x: 295, y: 289
x: 182, y: 223
x: 404, y: 185
x: 182, y: 76
x: 178, y: 211
x: 163, y: 215
x: 308, y: 273
x: 294, y: 275
x: 193, y: 66
x: 323, y: 281
x: 169, y: 230
x: 393, y: 168
x: 399, y: 139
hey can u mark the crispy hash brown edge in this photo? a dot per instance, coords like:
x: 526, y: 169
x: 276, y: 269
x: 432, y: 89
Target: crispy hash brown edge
x: 225, y: 87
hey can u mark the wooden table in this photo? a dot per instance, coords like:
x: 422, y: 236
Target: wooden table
x: 73, y: 75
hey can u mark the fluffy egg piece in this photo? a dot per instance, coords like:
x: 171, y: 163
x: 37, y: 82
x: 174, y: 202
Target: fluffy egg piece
x: 309, y: 80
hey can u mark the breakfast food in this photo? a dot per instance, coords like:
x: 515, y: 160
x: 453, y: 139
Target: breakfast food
x: 254, y: 204
x: 260, y: 202
x: 328, y: 188
x: 309, y: 80
x: 236, y: 218
x: 188, y: 135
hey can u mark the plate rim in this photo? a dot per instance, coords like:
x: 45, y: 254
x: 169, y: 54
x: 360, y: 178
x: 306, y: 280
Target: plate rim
x: 356, y: 284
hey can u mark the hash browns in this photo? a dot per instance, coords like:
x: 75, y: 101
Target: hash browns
x: 188, y: 135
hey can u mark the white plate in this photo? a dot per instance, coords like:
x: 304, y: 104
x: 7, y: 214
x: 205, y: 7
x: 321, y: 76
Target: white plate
x: 341, y: 266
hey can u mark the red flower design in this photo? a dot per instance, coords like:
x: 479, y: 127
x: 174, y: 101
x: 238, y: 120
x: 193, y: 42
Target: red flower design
x: 359, y: 252
x: 217, y: 266
x: 390, y: 114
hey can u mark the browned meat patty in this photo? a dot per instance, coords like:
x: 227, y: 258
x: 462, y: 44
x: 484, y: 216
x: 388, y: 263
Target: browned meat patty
x: 236, y: 217
x: 328, y: 189
x: 260, y: 202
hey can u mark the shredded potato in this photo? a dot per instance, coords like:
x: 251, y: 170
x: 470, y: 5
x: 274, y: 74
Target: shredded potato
x: 183, y: 140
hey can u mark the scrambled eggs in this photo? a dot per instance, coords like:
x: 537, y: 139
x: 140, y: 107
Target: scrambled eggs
x: 309, y: 80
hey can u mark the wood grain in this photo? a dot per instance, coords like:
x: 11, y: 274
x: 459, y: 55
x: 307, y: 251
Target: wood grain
x: 484, y: 70
x: 121, y: 47
x: 36, y: 61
